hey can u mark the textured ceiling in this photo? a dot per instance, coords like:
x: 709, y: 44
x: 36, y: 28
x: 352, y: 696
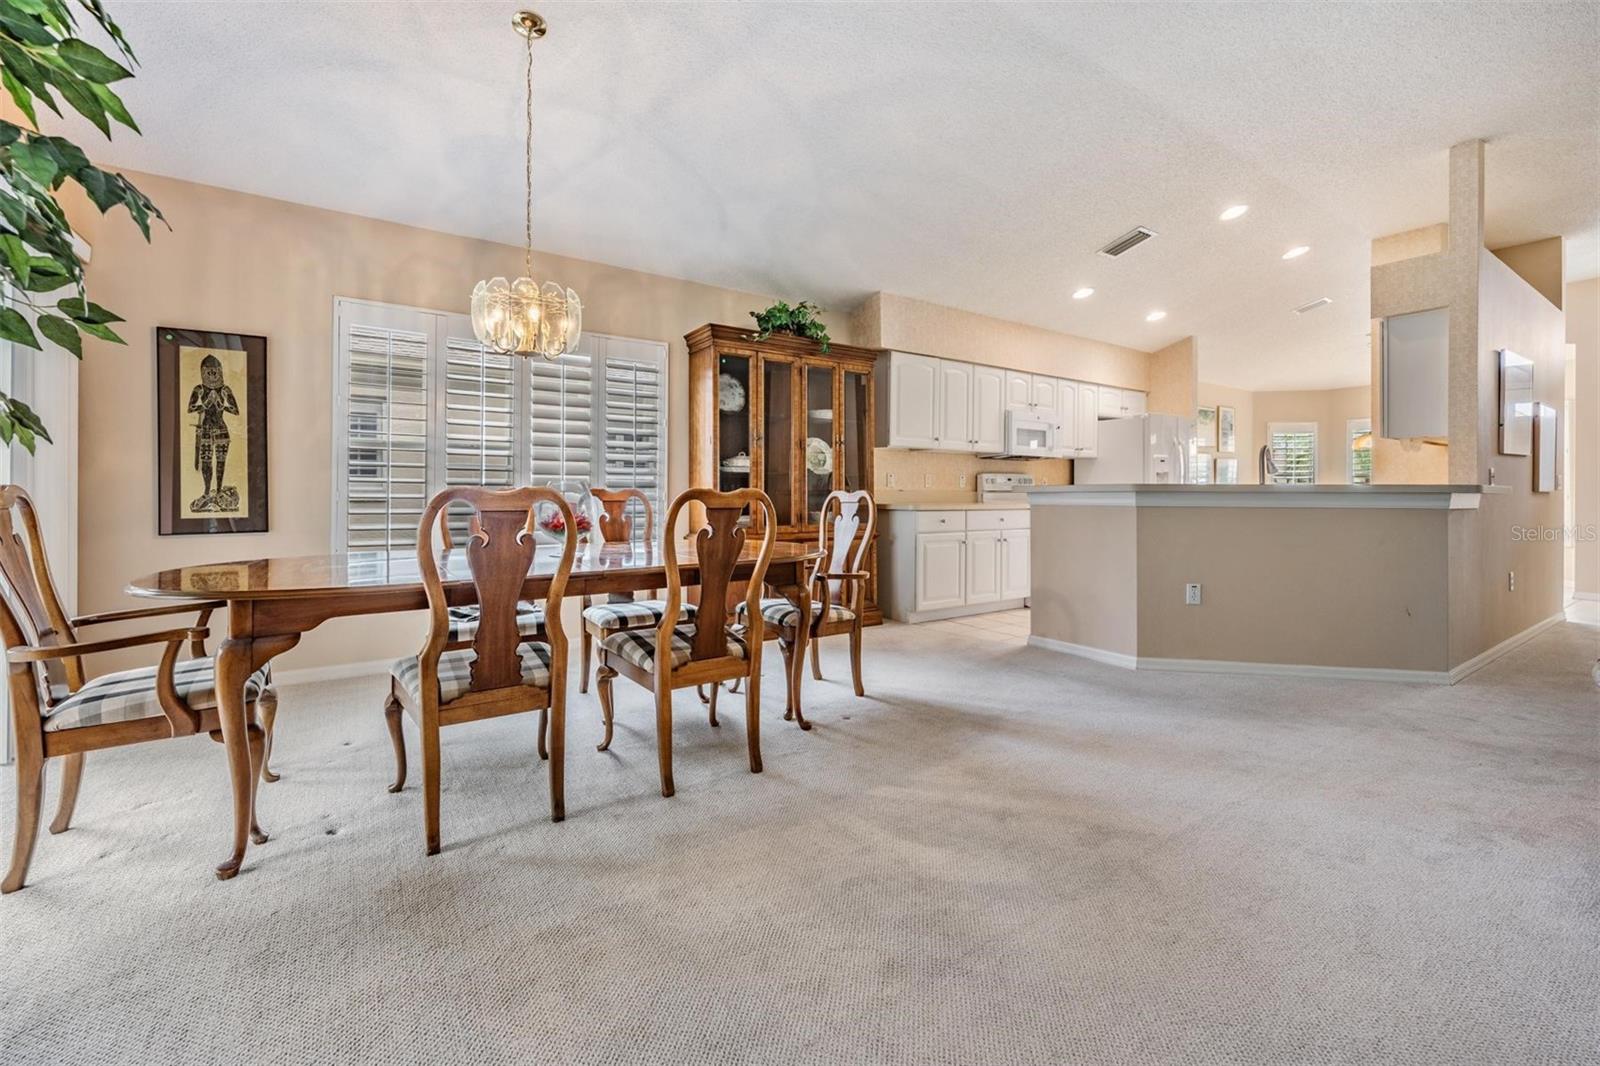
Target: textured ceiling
x: 974, y: 155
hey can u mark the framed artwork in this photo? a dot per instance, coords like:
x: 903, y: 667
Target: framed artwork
x: 1546, y: 450
x: 211, y: 431
x: 1227, y: 471
x: 1227, y: 442
x: 1517, y: 408
x: 1205, y: 429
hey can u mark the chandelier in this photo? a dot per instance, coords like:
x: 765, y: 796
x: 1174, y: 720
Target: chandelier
x: 525, y: 317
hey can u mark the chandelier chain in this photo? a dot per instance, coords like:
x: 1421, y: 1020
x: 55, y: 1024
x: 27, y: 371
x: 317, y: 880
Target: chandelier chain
x: 527, y: 218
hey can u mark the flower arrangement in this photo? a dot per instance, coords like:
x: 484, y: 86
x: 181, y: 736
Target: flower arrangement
x: 556, y: 526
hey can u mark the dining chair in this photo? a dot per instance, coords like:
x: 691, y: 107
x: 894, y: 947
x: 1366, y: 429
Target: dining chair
x: 497, y: 670
x: 464, y: 617
x: 59, y: 711
x: 601, y: 620
x: 838, y: 589
x: 707, y: 651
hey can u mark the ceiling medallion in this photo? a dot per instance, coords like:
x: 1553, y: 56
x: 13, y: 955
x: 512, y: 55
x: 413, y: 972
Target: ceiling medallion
x: 525, y: 317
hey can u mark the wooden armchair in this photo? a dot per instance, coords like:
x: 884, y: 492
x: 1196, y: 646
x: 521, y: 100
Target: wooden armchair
x: 708, y: 651
x: 60, y: 712
x: 838, y: 587
x: 496, y: 670
x: 620, y: 613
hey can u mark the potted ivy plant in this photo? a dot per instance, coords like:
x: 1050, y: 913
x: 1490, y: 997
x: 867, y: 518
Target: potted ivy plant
x: 799, y: 321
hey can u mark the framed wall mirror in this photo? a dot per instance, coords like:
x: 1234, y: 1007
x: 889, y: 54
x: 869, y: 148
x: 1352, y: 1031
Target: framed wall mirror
x: 1517, y: 408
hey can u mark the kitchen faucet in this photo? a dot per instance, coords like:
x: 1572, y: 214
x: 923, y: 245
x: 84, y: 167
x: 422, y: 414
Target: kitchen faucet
x: 1265, y: 466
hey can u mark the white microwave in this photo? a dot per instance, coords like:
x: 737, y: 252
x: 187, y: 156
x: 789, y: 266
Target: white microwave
x: 1029, y: 433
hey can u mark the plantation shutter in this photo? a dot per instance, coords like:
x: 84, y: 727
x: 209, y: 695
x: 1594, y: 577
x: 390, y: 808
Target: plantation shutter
x: 1359, y: 431
x: 561, y: 419
x: 635, y: 419
x: 1294, y: 450
x: 385, y: 475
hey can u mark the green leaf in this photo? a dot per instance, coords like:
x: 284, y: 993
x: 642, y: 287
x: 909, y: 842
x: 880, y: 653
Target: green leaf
x: 114, y: 106
x: 25, y: 29
x: 83, y: 311
x: 32, y: 7
x: 16, y: 257
x: 34, y: 161
x: 90, y: 62
x: 25, y: 438
x: 105, y: 333
x: 7, y: 430
x: 101, y: 187
x: 15, y: 328
x: 75, y: 91
x: 26, y: 71
x: 19, y: 95
x: 62, y: 332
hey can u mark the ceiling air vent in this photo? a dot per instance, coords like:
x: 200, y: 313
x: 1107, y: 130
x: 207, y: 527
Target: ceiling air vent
x: 1312, y: 306
x: 1132, y: 239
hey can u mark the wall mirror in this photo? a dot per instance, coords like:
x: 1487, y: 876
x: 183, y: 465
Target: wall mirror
x: 1517, y: 408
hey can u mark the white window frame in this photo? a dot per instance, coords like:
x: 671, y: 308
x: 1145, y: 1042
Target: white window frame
x: 598, y: 346
x: 1274, y: 428
x: 1351, y: 428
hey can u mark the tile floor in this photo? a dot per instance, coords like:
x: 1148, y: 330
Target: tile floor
x: 1000, y: 627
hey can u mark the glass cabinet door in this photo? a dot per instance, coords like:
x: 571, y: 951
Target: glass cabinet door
x: 777, y: 435
x: 855, y: 447
x: 822, y: 436
x: 735, y: 445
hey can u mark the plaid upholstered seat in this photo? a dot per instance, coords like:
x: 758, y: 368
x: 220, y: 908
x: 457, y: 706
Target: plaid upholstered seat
x: 464, y: 620
x: 782, y: 614
x: 638, y: 646
x: 129, y: 695
x: 639, y: 614
x: 455, y: 671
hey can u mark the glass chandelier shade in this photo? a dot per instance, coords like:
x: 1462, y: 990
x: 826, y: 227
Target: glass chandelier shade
x: 524, y: 317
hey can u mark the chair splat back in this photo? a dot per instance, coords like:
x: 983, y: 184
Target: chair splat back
x: 616, y: 526
x: 844, y: 534
x: 718, y: 546
x: 30, y: 610
x: 499, y: 553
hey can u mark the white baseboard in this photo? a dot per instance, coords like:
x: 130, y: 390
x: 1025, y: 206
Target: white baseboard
x: 1484, y: 658
x: 1586, y: 595
x: 337, y: 672
x: 1083, y: 651
x: 1329, y: 673
x: 967, y: 611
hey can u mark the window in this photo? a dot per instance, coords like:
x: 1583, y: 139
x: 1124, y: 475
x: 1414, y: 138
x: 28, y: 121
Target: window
x: 1294, y: 451
x: 419, y: 404
x: 1358, y: 431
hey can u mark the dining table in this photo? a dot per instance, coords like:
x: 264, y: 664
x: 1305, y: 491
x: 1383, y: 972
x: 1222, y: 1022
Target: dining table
x: 272, y: 603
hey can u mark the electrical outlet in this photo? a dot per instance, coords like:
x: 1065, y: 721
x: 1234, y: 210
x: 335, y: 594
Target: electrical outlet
x: 1511, y: 581
x: 927, y: 481
x: 1191, y: 594
x: 962, y: 482
x: 892, y: 479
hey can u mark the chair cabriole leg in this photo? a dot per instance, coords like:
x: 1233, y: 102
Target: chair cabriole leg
x: 391, y: 712
x: 71, y: 778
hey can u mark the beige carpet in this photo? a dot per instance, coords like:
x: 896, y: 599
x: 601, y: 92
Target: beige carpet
x: 1004, y: 855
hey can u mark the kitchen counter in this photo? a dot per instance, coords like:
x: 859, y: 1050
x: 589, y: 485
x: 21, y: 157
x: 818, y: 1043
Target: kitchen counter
x: 1019, y: 504
x: 1420, y: 497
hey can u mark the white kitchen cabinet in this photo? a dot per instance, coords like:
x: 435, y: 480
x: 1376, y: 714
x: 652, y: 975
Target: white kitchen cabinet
x: 913, y: 393
x: 947, y: 563
x: 1134, y: 403
x: 1016, y: 562
x: 1110, y: 402
x: 1043, y: 395
x: 953, y: 428
x: 1067, y: 418
x: 1019, y: 390
x: 983, y: 566
x: 988, y: 409
x: 940, y: 575
x: 1087, y: 430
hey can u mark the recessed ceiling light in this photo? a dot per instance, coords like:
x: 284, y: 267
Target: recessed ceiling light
x: 1155, y: 316
x: 1236, y: 211
x: 1083, y: 293
x: 1297, y: 251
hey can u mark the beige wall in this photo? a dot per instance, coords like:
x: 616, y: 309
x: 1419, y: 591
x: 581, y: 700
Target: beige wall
x: 1085, y: 571
x: 1583, y: 479
x: 254, y: 265
x: 1245, y: 440
x: 1175, y: 379
x: 1330, y: 409
x: 1540, y: 264
x: 920, y: 475
x: 899, y: 322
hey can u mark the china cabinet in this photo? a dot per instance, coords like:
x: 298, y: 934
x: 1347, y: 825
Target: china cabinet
x: 783, y: 416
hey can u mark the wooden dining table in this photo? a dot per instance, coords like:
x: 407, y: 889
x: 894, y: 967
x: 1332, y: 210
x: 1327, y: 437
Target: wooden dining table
x: 272, y: 603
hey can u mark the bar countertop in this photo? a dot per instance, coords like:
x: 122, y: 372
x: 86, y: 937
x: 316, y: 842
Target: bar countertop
x: 1443, y: 497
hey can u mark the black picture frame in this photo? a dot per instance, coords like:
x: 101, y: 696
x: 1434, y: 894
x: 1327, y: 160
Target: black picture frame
x: 179, y: 444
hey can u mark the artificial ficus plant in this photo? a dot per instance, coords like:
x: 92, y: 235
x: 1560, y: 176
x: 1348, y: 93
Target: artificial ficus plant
x: 41, y: 58
x: 799, y: 320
